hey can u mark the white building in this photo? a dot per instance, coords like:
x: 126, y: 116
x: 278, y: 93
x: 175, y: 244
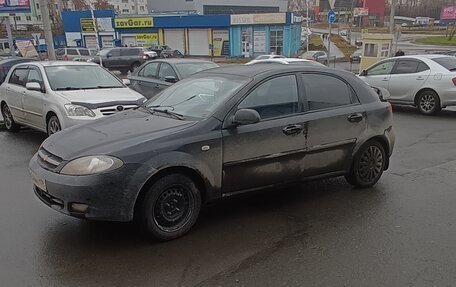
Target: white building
x: 130, y: 7
x: 21, y: 20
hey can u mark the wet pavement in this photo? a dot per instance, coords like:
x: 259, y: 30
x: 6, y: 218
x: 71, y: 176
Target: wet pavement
x: 401, y: 232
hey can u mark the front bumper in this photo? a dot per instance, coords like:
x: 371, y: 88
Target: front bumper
x: 109, y: 196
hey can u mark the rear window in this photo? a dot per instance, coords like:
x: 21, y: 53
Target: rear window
x: 447, y: 62
x: 84, y: 52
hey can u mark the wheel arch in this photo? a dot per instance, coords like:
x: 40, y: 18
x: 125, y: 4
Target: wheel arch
x: 417, y: 95
x: 184, y: 170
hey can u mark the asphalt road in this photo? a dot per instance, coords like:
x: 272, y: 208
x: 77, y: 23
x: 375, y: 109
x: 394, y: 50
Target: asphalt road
x: 402, y: 232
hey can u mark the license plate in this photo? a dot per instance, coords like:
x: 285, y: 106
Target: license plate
x: 39, y: 182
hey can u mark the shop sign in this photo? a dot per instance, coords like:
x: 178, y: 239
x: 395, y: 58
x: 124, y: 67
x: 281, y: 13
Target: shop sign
x: 87, y: 25
x: 357, y: 12
x: 145, y: 22
x: 147, y: 39
x: 105, y: 25
x: 265, y: 18
x: 219, y: 39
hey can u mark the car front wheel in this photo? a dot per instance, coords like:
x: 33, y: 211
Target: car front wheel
x: 171, y: 207
x: 8, y: 119
x: 429, y: 103
x: 368, y: 165
x: 53, y: 125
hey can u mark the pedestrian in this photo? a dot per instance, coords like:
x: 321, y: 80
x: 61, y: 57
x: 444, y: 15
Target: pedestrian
x: 399, y: 53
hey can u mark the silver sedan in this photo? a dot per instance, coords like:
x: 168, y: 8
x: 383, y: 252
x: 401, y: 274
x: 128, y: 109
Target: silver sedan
x: 425, y: 81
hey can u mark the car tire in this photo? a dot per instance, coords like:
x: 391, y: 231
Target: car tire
x: 134, y: 66
x: 53, y: 125
x: 428, y: 103
x: 368, y: 165
x: 171, y: 207
x: 8, y: 119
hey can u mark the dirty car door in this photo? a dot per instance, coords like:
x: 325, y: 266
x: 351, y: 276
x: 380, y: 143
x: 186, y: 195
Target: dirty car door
x: 271, y: 151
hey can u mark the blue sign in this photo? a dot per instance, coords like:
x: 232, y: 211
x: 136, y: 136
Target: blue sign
x: 331, y: 16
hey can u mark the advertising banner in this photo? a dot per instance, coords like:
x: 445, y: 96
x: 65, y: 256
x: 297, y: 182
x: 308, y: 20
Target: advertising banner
x: 87, y: 24
x: 26, y: 48
x: 219, y: 38
x: 357, y: 12
x: 259, y: 41
x: 149, y: 39
x: 448, y: 13
x: 145, y: 22
x: 14, y: 6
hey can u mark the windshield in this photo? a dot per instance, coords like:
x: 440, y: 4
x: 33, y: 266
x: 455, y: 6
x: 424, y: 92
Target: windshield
x: 197, y: 98
x: 77, y: 77
x: 188, y: 69
x: 447, y: 62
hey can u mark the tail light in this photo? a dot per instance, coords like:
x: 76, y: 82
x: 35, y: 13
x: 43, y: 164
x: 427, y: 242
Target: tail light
x: 145, y: 57
x: 389, y: 108
x: 454, y: 81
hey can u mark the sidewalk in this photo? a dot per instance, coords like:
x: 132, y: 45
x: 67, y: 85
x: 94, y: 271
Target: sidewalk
x: 335, y: 52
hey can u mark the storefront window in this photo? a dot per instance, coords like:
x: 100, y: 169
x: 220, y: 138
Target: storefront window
x: 276, y: 40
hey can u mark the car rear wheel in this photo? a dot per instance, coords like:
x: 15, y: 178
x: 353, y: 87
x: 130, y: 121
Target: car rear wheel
x: 429, y: 103
x: 134, y: 66
x: 368, y: 165
x: 8, y: 119
x: 170, y: 207
x: 53, y: 125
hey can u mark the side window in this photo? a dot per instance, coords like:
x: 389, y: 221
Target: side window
x: 406, y: 67
x: 114, y: 52
x: 72, y: 52
x: 60, y: 52
x: 383, y: 68
x: 84, y: 52
x: 34, y: 76
x: 166, y: 71
x: 129, y: 52
x: 323, y: 92
x: 422, y: 67
x: 274, y: 98
x: 19, y: 77
x: 149, y: 71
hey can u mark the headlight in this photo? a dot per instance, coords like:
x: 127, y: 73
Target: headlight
x: 79, y: 111
x: 91, y: 165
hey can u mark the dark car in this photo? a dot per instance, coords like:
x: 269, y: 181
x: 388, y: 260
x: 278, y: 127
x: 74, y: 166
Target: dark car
x: 165, y: 51
x: 6, y: 64
x: 153, y: 77
x: 123, y: 59
x: 218, y: 133
x: 356, y: 56
x: 450, y: 53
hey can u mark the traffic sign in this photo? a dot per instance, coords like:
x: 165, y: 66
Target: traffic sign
x: 331, y: 16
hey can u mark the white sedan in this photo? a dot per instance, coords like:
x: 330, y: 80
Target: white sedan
x: 50, y: 96
x: 427, y: 82
x: 287, y: 61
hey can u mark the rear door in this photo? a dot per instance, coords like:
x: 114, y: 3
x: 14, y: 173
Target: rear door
x: 114, y: 59
x: 71, y: 54
x: 407, y: 78
x: 334, y: 121
x: 34, y: 100
x: 380, y: 74
x: 15, y: 90
x: 146, y: 81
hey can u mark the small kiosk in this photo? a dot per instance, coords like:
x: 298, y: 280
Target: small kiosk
x: 376, y: 47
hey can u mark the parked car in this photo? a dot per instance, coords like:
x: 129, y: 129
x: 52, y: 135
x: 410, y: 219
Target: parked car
x: 319, y: 56
x: 50, y: 96
x: 356, y: 56
x: 69, y: 54
x: 123, y: 59
x: 427, y: 82
x: 153, y: 77
x: 286, y: 61
x: 265, y: 57
x: 7, y: 63
x: 159, y: 49
x: 165, y: 51
x: 450, y: 53
x: 215, y: 134
x: 151, y: 55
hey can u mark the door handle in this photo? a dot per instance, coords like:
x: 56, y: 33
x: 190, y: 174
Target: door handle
x: 385, y: 80
x: 420, y: 78
x: 157, y: 86
x: 292, y: 129
x: 355, y: 118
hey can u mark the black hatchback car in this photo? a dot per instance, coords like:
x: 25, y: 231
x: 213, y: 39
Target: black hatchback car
x: 218, y: 133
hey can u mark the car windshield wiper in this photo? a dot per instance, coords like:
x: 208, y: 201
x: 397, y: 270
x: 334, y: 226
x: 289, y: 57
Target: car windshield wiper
x: 452, y: 69
x: 168, y: 112
x: 67, y: 89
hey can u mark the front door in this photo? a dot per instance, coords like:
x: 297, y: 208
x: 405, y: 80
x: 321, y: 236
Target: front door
x: 271, y: 151
x: 380, y: 74
x: 15, y: 90
x: 146, y: 81
x: 334, y: 122
x: 34, y: 101
x: 407, y: 78
x: 165, y: 70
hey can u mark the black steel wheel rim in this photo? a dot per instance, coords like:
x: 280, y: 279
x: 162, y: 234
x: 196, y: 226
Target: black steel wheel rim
x: 370, y: 164
x: 7, y: 117
x: 173, y: 208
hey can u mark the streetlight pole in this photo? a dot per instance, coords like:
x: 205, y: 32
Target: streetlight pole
x: 47, y: 29
x: 307, y: 22
x: 392, y: 12
x: 95, y: 28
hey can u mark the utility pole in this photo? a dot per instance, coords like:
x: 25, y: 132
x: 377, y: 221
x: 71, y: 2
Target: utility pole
x: 393, y: 7
x: 307, y: 22
x: 47, y: 29
x: 10, y: 36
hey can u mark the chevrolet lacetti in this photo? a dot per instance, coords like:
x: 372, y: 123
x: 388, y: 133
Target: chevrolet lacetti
x: 218, y: 133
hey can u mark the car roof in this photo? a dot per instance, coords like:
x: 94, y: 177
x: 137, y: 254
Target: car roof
x: 63, y: 63
x: 284, y: 61
x: 19, y: 59
x: 262, y: 68
x: 426, y: 56
x: 179, y: 61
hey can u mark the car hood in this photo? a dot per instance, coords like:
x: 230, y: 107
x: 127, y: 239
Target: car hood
x: 112, y: 134
x: 97, y: 96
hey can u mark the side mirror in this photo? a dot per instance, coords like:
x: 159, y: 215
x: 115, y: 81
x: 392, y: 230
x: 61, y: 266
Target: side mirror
x: 126, y: 82
x: 363, y: 73
x: 109, y: 55
x: 170, y: 79
x: 246, y: 117
x: 33, y: 86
